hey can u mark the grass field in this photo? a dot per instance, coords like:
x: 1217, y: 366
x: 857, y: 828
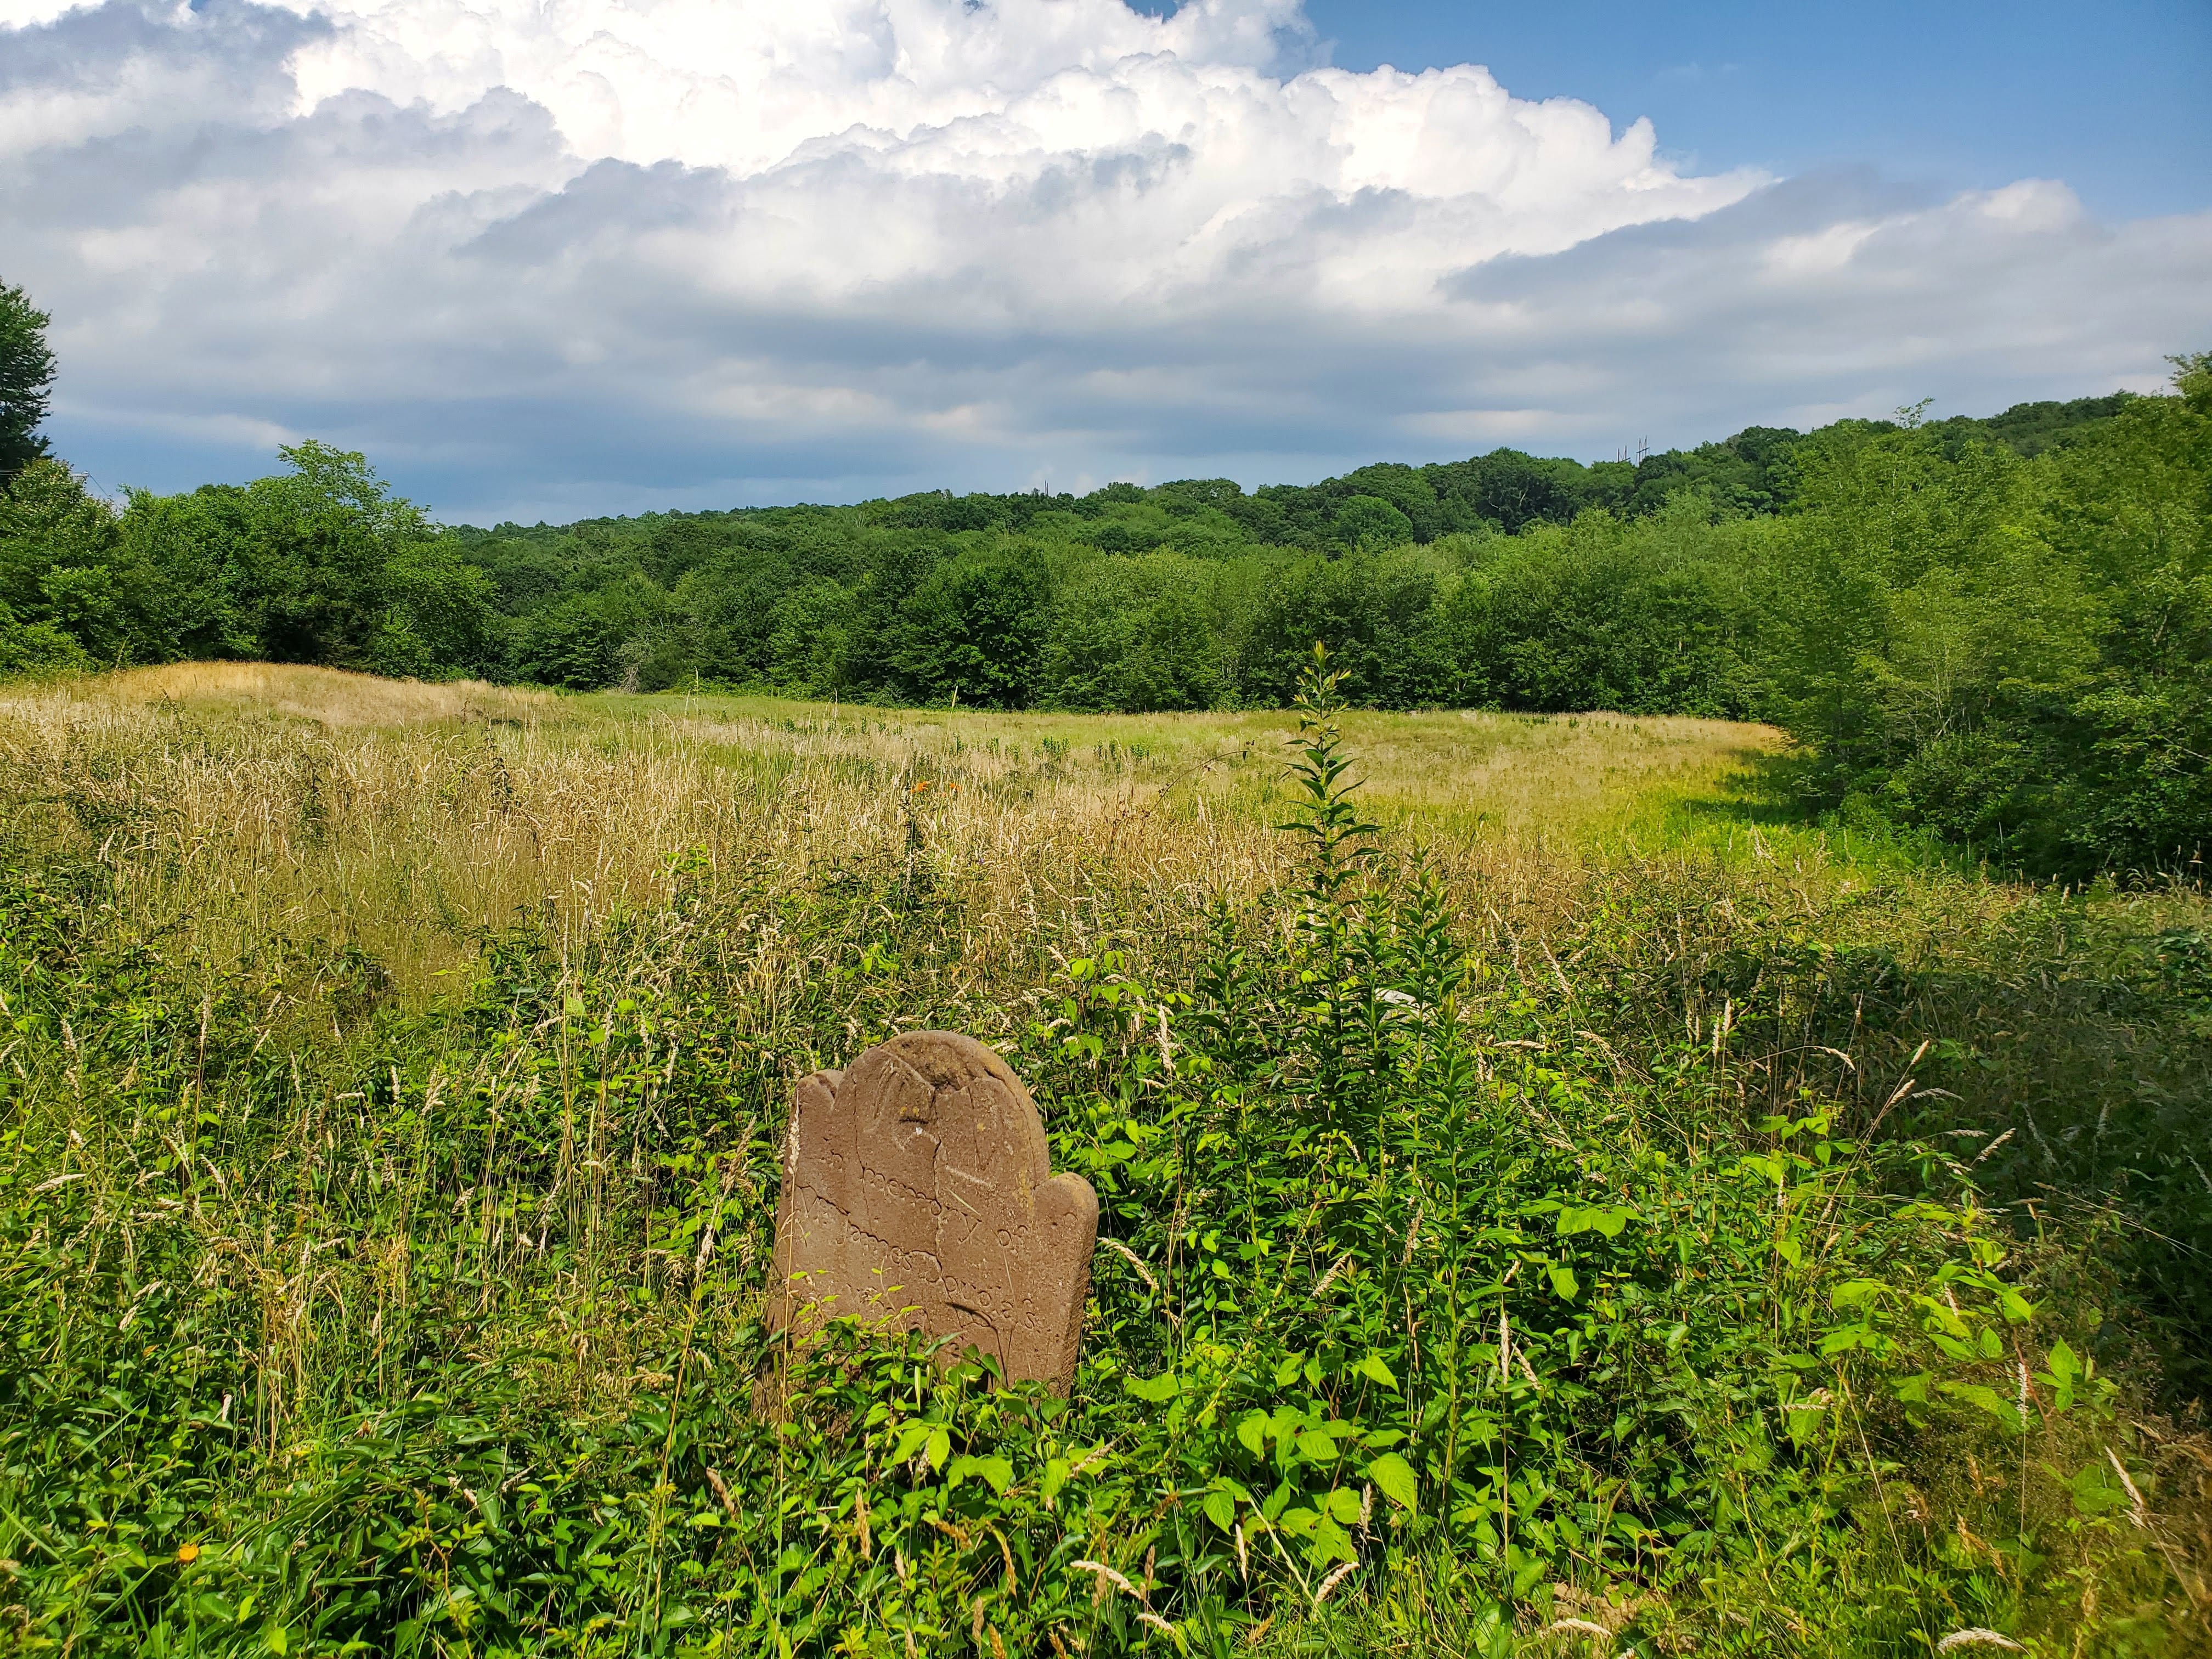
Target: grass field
x: 1593, y: 1214
x: 408, y: 818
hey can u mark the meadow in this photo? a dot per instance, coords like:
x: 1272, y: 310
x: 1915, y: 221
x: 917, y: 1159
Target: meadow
x: 1552, y: 1199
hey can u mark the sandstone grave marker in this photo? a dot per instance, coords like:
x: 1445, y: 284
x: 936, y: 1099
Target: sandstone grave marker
x: 918, y: 1194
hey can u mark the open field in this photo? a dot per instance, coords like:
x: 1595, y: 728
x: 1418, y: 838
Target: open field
x: 1603, y: 1219
x: 409, y: 818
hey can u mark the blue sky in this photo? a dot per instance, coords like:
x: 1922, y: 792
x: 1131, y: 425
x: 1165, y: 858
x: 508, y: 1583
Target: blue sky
x: 623, y: 254
x: 2115, y: 98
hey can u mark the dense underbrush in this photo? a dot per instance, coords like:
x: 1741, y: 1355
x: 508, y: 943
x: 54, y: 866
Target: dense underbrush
x: 1683, y: 1278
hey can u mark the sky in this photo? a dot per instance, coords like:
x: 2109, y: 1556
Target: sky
x: 2113, y: 97
x: 546, y: 258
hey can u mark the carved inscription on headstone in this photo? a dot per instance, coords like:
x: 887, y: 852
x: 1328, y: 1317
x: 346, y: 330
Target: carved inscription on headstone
x: 918, y: 1194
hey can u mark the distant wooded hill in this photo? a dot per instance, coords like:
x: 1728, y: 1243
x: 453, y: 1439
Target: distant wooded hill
x: 1749, y: 473
x: 1998, y: 629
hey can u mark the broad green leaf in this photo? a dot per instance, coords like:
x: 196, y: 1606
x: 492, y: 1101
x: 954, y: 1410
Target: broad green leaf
x: 938, y: 1448
x: 1604, y: 1218
x: 1253, y: 1432
x: 1985, y: 1399
x: 1940, y: 1317
x: 1154, y: 1390
x: 1220, y: 1509
x: 1394, y: 1478
x: 2065, y: 1371
x: 1331, y: 1542
x: 2094, y: 1491
x: 1562, y: 1281
x: 996, y: 1473
x: 1372, y: 1368
x: 1344, y: 1505
x: 909, y: 1441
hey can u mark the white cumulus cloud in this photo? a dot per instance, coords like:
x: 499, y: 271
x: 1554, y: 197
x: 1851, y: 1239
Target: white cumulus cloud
x: 567, y: 255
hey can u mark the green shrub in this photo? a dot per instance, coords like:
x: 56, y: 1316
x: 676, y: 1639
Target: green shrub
x: 37, y: 649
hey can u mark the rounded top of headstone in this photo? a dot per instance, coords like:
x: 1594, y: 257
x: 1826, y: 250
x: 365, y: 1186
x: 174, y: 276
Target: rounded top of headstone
x: 945, y: 1057
x: 981, y: 1116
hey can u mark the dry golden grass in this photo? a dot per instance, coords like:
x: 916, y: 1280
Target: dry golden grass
x: 245, y: 801
x: 327, y: 697
x: 1452, y: 771
x: 240, y: 802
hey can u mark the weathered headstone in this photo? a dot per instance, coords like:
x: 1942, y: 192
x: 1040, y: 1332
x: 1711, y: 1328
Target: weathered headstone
x: 918, y: 1194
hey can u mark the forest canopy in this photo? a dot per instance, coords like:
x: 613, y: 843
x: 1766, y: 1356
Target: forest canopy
x: 1997, y: 629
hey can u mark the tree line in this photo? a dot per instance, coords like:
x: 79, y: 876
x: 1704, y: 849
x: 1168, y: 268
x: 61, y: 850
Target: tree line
x: 1997, y: 629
